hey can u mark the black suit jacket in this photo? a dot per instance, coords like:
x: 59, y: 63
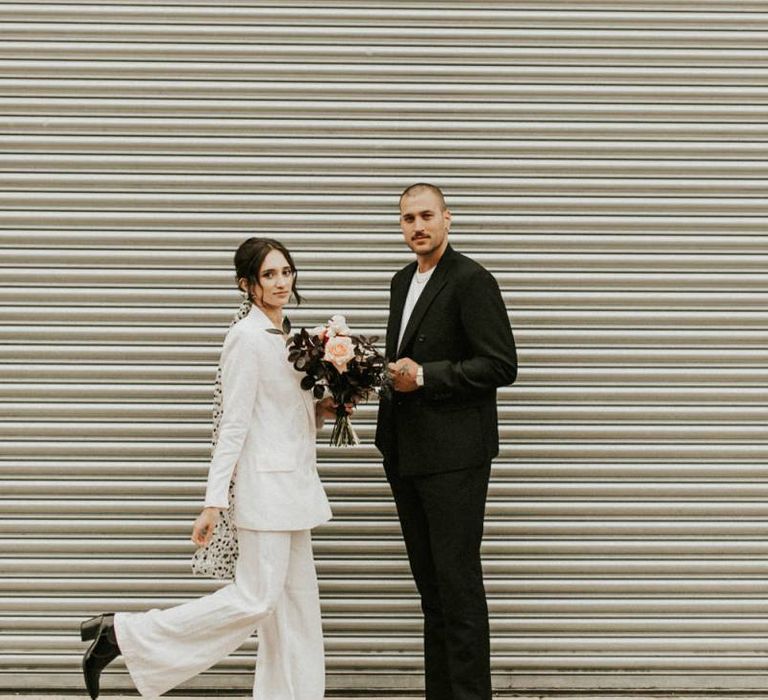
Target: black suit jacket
x: 459, y: 332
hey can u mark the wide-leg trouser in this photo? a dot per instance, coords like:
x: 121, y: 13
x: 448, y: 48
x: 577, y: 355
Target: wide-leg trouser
x: 275, y: 591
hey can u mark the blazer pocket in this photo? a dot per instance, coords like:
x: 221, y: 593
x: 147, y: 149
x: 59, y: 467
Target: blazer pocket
x: 271, y: 461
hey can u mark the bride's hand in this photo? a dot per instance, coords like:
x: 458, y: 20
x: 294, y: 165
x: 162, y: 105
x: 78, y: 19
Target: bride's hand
x: 202, y: 530
x: 326, y: 408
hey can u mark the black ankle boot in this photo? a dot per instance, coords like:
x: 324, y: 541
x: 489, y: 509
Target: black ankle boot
x: 103, y: 650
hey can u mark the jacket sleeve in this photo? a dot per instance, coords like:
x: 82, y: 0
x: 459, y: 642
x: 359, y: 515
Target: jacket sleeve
x: 493, y: 360
x: 239, y: 382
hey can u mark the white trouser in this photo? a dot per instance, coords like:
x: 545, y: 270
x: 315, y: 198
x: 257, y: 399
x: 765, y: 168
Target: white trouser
x: 275, y: 592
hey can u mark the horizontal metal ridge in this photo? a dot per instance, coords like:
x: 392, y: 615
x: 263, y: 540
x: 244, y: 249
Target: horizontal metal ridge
x: 336, y: 470
x: 621, y: 339
x: 182, y: 435
x: 730, y: 147
x: 421, y: 18
x: 385, y: 620
x: 173, y: 412
x: 239, y: 225
x: 391, y: 34
x: 339, y: 601
x: 219, y: 283
x: 320, y: 300
x: 544, y: 450
x: 546, y: 164
x: 152, y: 128
x: 721, y: 92
x: 169, y: 550
x: 608, y: 591
x: 552, y: 451
x: 383, y: 511
x: 449, y: 109
x: 373, y: 641
x: 179, y: 374
x: 390, y: 55
x: 370, y: 564
x: 567, y: 353
x: 201, y: 322
x: 342, y: 71
x: 213, y: 267
x: 364, y: 319
x: 731, y: 6
x: 350, y: 496
x: 374, y: 188
x: 473, y: 205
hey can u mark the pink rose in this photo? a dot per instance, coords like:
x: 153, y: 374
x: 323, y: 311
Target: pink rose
x: 339, y: 350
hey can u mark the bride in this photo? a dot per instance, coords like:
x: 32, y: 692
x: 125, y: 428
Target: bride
x: 266, y: 429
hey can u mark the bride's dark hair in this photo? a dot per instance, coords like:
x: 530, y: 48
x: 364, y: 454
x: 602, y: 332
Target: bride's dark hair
x: 249, y: 258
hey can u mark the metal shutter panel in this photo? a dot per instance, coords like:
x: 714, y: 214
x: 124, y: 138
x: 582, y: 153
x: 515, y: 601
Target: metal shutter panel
x: 607, y: 165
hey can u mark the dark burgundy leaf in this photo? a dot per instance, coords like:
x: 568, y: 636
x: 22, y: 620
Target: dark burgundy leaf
x: 307, y: 383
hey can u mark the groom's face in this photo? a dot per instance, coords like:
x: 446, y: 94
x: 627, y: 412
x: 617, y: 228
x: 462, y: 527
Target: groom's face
x: 424, y: 222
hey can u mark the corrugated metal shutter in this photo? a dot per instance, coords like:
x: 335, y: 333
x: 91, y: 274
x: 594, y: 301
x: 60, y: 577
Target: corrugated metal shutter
x: 609, y: 166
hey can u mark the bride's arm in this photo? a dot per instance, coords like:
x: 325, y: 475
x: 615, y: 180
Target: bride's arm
x: 239, y: 382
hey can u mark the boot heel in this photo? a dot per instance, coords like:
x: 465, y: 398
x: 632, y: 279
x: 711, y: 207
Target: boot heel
x: 89, y: 628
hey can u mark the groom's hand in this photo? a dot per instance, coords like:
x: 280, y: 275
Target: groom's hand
x: 404, y: 374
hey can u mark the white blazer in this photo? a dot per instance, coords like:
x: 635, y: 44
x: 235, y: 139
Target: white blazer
x: 267, y: 432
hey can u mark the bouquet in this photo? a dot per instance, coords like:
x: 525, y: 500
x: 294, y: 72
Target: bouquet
x: 348, y: 366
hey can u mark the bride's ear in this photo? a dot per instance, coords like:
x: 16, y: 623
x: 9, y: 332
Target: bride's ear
x: 250, y: 291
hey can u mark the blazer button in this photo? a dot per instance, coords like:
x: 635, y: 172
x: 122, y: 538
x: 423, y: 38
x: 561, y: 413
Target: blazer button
x: 421, y: 338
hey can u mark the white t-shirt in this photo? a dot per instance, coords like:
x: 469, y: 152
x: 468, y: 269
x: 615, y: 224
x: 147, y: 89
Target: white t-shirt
x: 418, y: 282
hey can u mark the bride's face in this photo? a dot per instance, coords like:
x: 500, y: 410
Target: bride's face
x: 275, y: 281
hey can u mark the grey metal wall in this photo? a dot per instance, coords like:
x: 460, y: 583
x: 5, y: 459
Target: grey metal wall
x: 607, y: 161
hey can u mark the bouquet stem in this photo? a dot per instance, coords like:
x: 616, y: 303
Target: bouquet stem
x: 343, y: 434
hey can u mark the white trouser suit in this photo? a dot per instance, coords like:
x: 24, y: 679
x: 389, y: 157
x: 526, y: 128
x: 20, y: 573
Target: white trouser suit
x: 268, y: 431
x: 274, y: 592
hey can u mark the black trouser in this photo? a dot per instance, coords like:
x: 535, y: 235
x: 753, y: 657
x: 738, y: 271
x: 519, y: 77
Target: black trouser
x: 441, y: 516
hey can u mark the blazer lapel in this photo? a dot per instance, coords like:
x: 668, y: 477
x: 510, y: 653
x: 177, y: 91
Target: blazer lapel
x: 396, y: 306
x: 436, y: 282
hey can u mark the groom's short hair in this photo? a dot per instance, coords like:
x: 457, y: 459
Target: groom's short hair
x: 417, y: 187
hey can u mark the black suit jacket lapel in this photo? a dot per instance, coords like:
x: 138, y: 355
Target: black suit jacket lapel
x: 396, y: 306
x: 436, y: 282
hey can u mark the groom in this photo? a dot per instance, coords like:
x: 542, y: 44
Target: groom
x: 449, y: 335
